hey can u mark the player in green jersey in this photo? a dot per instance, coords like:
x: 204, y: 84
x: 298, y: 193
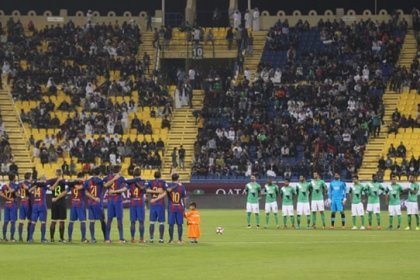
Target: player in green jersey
x: 303, y: 189
x: 412, y: 204
x: 374, y: 189
x: 356, y: 192
x: 287, y: 193
x: 392, y: 199
x: 253, y: 190
x: 271, y: 193
x: 319, y: 189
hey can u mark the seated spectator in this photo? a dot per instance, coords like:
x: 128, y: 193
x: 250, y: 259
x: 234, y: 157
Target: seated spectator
x: 392, y: 152
x: 401, y: 150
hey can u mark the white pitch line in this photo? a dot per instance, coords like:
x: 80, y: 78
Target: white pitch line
x: 311, y: 242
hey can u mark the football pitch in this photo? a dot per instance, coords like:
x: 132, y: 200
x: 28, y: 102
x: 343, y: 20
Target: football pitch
x: 239, y: 253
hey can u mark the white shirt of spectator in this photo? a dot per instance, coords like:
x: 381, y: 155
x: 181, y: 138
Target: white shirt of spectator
x: 113, y: 158
x: 256, y: 20
x: 285, y: 151
x: 346, y: 136
x: 277, y: 77
x: 247, y: 74
x: 231, y: 134
x: 191, y: 74
x: 50, y: 82
x: 219, y: 133
x: 248, y: 169
x: 365, y: 73
x: 236, y: 19
x: 248, y: 20
x: 271, y: 173
x: 88, y: 128
x: 351, y: 104
x: 124, y: 119
x: 212, y: 143
x: 196, y: 34
x: 110, y: 127
x: 5, y: 68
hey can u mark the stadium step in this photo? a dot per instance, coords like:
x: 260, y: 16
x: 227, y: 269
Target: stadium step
x: 251, y: 62
x: 378, y: 147
x: 183, y: 132
x: 18, y: 137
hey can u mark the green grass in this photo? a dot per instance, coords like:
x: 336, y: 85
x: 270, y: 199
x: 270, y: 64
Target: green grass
x: 239, y: 253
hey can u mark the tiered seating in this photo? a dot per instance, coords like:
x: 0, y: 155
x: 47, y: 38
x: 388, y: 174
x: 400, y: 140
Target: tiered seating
x: 124, y: 52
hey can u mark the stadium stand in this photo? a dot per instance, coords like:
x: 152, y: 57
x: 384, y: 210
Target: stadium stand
x: 314, y: 111
x: 72, y: 104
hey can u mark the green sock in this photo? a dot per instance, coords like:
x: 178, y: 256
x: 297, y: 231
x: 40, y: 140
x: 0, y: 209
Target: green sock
x: 417, y: 219
x: 353, y: 219
x: 409, y: 220
x: 298, y: 220
x: 314, y: 218
x: 399, y: 220
x: 248, y: 218
x: 267, y: 219
x: 370, y: 218
x: 292, y: 219
x: 363, y: 220
x: 284, y: 220
x: 257, y: 218
x: 391, y: 219
x: 323, y: 218
x: 378, y: 219
x: 308, y: 220
x: 276, y: 218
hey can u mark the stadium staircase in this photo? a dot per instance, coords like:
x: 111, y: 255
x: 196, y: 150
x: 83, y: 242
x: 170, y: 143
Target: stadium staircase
x: 147, y: 46
x: 252, y: 62
x: 407, y: 105
x: 18, y: 139
x: 183, y: 132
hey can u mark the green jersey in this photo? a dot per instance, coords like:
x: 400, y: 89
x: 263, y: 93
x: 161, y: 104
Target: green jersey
x: 374, y: 190
x: 412, y: 192
x: 394, y: 191
x: 303, y: 189
x: 318, y: 189
x: 287, y: 194
x: 357, y: 190
x: 253, y: 190
x: 271, y: 193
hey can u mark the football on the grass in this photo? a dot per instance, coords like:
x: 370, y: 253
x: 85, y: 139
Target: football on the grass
x: 219, y: 230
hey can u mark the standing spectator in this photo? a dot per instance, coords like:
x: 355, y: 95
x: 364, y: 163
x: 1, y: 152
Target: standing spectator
x: 181, y: 156
x: 174, y: 159
x: 248, y: 19
x: 146, y: 62
x: 376, y: 125
x: 149, y: 21
x: 256, y: 20
x: 237, y: 18
x: 229, y: 38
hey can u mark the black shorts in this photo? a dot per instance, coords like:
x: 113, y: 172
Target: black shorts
x: 58, y: 211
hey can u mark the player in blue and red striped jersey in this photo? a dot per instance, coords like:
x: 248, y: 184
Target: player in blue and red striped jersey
x: 77, y: 210
x: 137, y: 195
x: 176, y: 193
x: 116, y: 186
x: 39, y: 208
x: 157, y: 208
x: 8, y: 193
x: 25, y: 208
x: 94, y: 191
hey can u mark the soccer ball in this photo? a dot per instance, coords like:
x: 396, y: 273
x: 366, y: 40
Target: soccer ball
x: 219, y: 230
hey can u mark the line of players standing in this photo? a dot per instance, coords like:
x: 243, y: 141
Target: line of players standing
x: 32, y: 197
x: 337, y: 194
